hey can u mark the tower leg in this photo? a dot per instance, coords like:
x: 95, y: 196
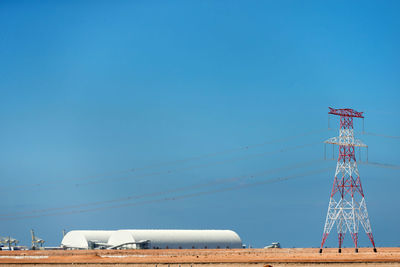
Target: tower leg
x: 371, y: 238
x: 340, y: 238
x: 324, y: 236
x: 355, y: 240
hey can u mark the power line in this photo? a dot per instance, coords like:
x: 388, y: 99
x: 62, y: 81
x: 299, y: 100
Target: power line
x: 382, y: 135
x: 381, y: 165
x: 174, y: 190
x: 152, y: 166
x: 376, y: 164
x: 178, y: 197
x: 281, y: 150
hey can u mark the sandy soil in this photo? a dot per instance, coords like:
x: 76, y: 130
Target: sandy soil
x: 203, y: 257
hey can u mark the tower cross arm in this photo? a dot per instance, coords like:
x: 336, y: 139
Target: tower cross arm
x: 345, y: 142
x: 346, y: 112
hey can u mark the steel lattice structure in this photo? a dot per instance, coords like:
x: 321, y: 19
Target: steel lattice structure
x: 347, y: 207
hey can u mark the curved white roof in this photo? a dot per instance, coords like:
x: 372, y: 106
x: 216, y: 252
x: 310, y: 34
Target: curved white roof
x: 79, y: 239
x: 177, y: 238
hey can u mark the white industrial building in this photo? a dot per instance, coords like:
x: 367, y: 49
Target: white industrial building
x: 175, y: 239
x: 152, y: 239
x: 85, y: 239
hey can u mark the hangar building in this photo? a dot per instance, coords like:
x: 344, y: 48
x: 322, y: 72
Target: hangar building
x: 152, y: 239
x: 175, y: 239
x: 85, y: 239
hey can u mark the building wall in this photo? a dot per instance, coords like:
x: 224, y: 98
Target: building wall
x: 175, y: 239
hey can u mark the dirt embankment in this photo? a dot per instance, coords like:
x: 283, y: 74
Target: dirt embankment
x: 202, y: 257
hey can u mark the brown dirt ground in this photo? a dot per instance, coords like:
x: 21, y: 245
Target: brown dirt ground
x: 205, y: 257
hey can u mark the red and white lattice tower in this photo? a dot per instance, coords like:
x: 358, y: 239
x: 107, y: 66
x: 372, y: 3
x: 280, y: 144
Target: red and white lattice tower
x: 347, y: 207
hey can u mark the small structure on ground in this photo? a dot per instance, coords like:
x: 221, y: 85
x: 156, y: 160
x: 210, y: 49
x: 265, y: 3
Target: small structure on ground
x: 274, y: 245
x: 36, y: 241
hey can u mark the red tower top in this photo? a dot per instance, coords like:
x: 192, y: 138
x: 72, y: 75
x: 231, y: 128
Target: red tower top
x: 346, y: 116
x: 346, y: 112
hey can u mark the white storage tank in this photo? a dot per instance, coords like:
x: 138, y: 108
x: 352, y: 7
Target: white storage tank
x: 174, y: 239
x: 85, y: 239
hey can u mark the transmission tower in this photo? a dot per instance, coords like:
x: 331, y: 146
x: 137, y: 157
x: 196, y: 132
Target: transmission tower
x: 347, y: 207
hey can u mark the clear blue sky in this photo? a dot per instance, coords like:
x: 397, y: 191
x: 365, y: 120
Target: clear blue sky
x: 90, y: 89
